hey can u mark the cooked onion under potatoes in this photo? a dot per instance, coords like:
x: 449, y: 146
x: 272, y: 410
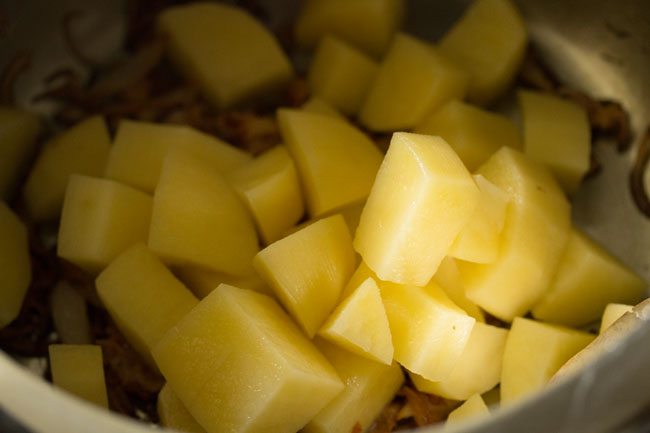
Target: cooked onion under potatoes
x: 169, y: 220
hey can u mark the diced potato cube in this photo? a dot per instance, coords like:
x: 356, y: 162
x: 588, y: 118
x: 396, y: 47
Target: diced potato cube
x: 143, y: 297
x: 270, y: 188
x: 237, y: 362
x: 18, y: 132
x: 318, y: 106
x: 173, y: 414
x: 534, y: 235
x: 359, y: 324
x: 15, y: 265
x: 100, y: 219
x: 308, y: 269
x: 489, y: 41
x: 475, y: 134
x: 226, y: 51
x: 337, y: 162
x: 139, y: 150
x: 429, y: 331
x: 557, y: 133
x: 612, y: 313
x: 197, y: 218
x: 82, y: 149
x: 341, y: 75
x: 202, y: 281
x: 367, y: 24
x: 478, y: 368
x: 361, y: 274
x: 479, y: 240
x: 587, y: 279
x: 448, y: 278
x: 473, y: 408
x: 79, y: 369
x: 422, y: 197
x: 413, y: 80
x: 534, y: 352
x: 369, y: 386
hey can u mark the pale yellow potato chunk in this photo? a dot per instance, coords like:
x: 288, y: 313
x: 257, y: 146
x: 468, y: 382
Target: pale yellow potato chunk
x: 472, y: 409
x: 307, y: 270
x: 337, y: 162
x: 557, y: 133
x: 226, y: 51
x: 489, y: 40
x: 341, y: 75
x: 100, y: 219
x: 139, y: 149
x: 318, y: 106
x: 82, y: 149
x: 15, y: 265
x: 448, y: 278
x: 612, y: 313
x: 270, y: 187
x: 534, y: 235
x: 423, y: 196
x: 413, y: 80
x: 359, y: 324
x: 479, y: 240
x: 367, y: 24
x: 475, y: 134
x: 534, y: 352
x: 18, y: 132
x: 198, y: 219
x: 361, y: 274
x: 173, y: 414
x: 477, y: 370
x: 79, y: 369
x: 429, y: 331
x: 369, y: 386
x: 143, y: 297
x: 238, y: 363
x: 202, y: 281
x: 587, y: 279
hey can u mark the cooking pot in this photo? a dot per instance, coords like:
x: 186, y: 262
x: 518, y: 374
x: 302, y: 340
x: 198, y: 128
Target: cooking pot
x: 600, y: 47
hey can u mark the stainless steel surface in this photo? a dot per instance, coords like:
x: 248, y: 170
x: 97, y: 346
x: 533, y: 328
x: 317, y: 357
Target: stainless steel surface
x: 601, y: 47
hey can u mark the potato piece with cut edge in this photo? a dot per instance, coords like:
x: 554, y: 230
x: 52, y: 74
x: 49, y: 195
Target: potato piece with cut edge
x: 471, y: 409
x: 534, y: 351
x: 143, y: 297
x: 479, y: 240
x: 337, y: 162
x: 198, y: 219
x: 307, y: 270
x: 82, y: 149
x: 369, y: 386
x: 413, y: 80
x: 318, y: 106
x: 100, y: 219
x: 79, y: 369
x: 423, y: 196
x: 226, y: 51
x: 534, y: 235
x: 448, y: 278
x: 173, y: 414
x: 366, y: 24
x: 475, y: 134
x: 19, y: 130
x: 612, y: 313
x: 202, y: 281
x: 15, y: 265
x: 270, y: 188
x: 478, y: 368
x: 139, y: 150
x: 587, y: 279
x: 237, y: 362
x: 429, y: 331
x: 489, y: 40
x: 359, y: 324
x: 341, y: 75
